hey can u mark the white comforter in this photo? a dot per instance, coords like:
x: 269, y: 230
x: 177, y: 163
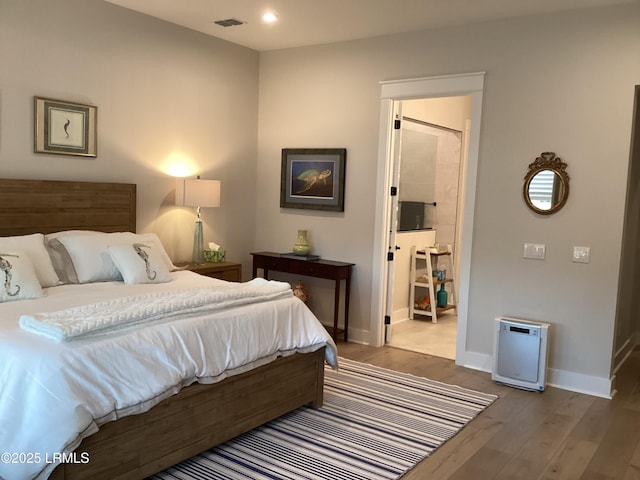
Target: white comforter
x: 52, y: 395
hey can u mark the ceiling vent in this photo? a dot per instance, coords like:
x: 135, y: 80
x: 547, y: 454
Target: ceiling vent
x: 229, y: 22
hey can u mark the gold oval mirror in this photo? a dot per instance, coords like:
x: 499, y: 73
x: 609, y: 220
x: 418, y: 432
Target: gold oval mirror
x: 546, y: 184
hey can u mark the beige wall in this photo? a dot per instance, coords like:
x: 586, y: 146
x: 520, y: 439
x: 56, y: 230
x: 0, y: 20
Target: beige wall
x: 570, y: 92
x: 163, y: 92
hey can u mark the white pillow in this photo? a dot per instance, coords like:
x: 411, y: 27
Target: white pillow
x: 140, y: 263
x: 91, y: 258
x: 62, y: 263
x: 33, y: 247
x: 18, y: 279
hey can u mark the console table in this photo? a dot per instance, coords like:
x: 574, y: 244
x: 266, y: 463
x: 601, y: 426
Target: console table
x: 326, y: 269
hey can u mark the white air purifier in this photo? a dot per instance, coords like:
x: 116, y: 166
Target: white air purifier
x: 520, y: 353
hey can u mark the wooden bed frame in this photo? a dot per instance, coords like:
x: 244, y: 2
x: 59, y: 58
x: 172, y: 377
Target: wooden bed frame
x: 200, y: 416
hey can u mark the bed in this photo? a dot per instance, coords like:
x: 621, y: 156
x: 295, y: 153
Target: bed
x: 202, y: 409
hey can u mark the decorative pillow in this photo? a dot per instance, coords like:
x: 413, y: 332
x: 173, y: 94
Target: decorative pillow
x: 153, y: 238
x: 33, y: 247
x: 18, y: 279
x: 92, y: 261
x: 62, y: 263
x: 140, y: 263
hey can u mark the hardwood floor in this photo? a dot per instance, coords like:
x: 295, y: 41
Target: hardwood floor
x: 555, y: 434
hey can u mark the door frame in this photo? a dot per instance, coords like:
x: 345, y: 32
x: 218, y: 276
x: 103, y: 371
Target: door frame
x: 472, y: 85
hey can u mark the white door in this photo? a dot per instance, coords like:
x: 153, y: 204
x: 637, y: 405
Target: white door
x: 396, y: 143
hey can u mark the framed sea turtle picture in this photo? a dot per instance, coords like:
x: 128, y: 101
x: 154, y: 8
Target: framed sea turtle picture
x: 313, y: 178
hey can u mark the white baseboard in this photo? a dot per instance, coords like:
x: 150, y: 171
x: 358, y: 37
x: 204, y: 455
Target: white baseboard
x: 577, y: 382
x: 400, y: 315
x: 574, y: 382
x: 358, y: 336
x: 475, y: 361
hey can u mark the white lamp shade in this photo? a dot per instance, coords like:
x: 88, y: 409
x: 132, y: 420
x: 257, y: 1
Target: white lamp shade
x: 197, y: 192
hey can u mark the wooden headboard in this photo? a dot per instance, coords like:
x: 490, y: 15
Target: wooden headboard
x: 47, y: 206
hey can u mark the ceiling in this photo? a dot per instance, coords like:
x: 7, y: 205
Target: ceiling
x: 312, y: 22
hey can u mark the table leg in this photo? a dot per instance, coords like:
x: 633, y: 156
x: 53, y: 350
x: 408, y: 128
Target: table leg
x: 336, y: 309
x: 347, y: 292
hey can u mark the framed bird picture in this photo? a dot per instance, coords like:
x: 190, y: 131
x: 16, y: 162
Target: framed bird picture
x: 65, y: 128
x: 313, y: 178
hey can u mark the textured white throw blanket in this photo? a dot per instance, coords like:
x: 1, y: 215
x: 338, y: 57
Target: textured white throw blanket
x: 125, y: 312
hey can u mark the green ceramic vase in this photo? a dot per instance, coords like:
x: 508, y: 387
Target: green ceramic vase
x: 301, y: 246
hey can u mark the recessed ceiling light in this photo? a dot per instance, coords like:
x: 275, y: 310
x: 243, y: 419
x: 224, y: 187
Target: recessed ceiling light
x: 269, y: 17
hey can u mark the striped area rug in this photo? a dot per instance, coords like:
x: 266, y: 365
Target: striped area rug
x: 375, y: 424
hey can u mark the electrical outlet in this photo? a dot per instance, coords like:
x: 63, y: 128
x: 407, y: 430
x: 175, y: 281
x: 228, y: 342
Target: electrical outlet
x: 534, y: 251
x: 581, y: 254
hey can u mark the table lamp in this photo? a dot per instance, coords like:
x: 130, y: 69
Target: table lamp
x: 198, y: 193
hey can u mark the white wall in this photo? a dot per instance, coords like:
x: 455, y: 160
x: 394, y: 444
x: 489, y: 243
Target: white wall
x: 163, y: 92
x: 570, y: 92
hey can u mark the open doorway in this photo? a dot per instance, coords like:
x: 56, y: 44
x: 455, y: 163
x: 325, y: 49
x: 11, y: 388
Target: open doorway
x: 393, y: 93
x: 432, y: 157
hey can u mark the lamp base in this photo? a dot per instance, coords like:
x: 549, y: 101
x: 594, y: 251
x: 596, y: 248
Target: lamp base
x: 198, y: 244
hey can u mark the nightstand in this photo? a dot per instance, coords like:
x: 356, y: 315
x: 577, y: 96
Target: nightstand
x: 232, y: 272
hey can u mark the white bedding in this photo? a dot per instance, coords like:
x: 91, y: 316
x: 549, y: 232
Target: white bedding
x: 54, y: 394
x: 121, y: 313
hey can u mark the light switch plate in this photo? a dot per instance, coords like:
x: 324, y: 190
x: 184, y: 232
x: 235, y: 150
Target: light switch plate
x: 581, y: 254
x: 534, y: 251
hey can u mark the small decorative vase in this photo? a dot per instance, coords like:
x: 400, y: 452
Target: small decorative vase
x: 301, y: 246
x: 300, y: 292
x: 442, y: 300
